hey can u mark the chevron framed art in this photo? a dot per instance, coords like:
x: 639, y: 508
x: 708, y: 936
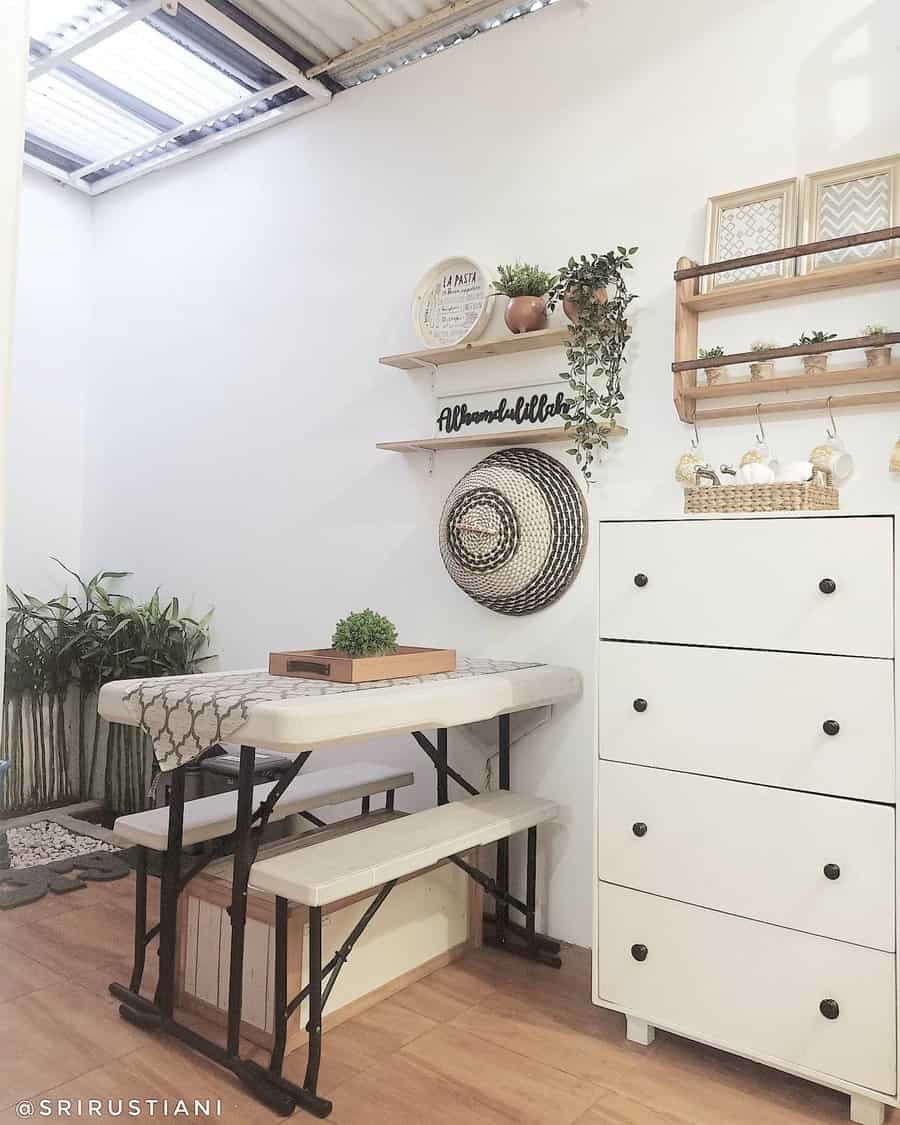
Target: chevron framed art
x: 850, y: 200
x: 751, y: 221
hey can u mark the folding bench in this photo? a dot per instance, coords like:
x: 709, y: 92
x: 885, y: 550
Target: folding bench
x: 215, y: 819
x: 323, y: 873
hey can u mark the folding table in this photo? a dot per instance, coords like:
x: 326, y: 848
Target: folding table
x: 185, y: 714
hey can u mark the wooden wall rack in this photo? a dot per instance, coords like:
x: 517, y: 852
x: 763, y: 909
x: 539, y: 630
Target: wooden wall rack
x: 690, y: 302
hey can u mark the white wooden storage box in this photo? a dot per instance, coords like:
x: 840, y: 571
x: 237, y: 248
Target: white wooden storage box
x: 424, y: 923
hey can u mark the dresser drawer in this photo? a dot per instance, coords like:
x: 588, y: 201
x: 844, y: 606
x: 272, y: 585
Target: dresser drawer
x: 751, y: 583
x: 748, y: 850
x: 748, y: 987
x: 749, y: 715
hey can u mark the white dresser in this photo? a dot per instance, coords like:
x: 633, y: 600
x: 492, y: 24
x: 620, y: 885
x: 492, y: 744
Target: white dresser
x: 745, y: 836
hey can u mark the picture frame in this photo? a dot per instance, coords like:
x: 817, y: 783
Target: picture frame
x: 751, y: 221
x: 848, y: 200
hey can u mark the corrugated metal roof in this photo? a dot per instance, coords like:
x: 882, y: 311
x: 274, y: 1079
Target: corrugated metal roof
x: 117, y: 87
x: 378, y: 35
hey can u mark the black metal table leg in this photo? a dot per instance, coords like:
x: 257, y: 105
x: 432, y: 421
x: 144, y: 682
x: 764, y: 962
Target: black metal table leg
x: 243, y: 860
x: 168, y: 896
x: 315, y: 999
x: 140, y: 919
x: 502, y: 912
x: 441, y: 766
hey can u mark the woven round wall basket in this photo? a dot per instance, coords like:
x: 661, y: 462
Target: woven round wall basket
x: 514, y: 531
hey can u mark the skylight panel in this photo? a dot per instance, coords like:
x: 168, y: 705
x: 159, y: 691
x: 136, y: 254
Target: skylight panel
x: 61, y: 111
x: 58, y: 24
x: 160, y: 72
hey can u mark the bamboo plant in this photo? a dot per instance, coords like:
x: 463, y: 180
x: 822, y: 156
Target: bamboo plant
x: 59, y: 653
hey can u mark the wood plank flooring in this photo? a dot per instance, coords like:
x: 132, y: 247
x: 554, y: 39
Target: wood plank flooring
x: 486, y: 1041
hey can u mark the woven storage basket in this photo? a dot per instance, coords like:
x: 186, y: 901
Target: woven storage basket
x: 817, y: 495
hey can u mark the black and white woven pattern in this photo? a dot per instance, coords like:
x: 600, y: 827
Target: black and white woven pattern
x: 513, y: 531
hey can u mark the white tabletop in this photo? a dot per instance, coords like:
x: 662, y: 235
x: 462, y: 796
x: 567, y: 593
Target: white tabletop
x: 294, y: 724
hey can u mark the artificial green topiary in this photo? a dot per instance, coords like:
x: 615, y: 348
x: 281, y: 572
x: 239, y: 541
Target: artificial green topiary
x: 366, y: 633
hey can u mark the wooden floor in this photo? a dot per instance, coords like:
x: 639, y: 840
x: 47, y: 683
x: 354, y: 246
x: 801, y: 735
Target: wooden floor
x: 487, y: 1040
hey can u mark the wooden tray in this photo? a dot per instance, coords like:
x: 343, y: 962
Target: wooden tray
x: 330, y: 664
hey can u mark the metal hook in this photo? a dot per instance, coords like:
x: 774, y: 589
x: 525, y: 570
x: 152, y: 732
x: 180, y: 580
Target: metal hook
x: 761, y: 436
x: 832, y: 433
x: 695, y: 440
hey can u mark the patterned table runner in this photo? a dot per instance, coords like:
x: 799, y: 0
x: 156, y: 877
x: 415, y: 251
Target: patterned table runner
x: 184, y: 715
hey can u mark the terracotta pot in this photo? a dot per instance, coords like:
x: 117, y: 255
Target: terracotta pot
x: 815, y: 364
x: 765, y: 369
x: 715, y: 375
x: 525, y: 314
x: 878, y: 357
x: 569, y: 305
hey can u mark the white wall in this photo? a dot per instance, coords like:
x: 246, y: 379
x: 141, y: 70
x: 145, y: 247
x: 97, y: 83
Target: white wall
x: 12, y: 91
x: 52, y: 355
x: 245, y: 296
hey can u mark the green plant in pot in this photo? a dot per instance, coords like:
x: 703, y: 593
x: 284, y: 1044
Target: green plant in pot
x: 762, y: 368
x: 877, y: 355
x: 525, y: 285
x: 365, y: 633
x: 713, y: 373
x: 817, y: 362
x: 596, y: 297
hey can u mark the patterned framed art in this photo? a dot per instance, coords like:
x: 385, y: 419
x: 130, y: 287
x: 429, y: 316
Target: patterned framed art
x: 751, y: 222
x: 850, y: 200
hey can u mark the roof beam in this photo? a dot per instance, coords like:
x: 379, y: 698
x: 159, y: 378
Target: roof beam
x: 253, y: 42
x: 180, y: 130
x: 134, y: 12
x: 407, y: 33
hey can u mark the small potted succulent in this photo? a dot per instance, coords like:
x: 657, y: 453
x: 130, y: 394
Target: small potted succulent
x: 713, y: 374
x: 878, y: 355
x: 816, y: 363
x: 762, y: 368
x: 525, y: 285
x: 365, y: 633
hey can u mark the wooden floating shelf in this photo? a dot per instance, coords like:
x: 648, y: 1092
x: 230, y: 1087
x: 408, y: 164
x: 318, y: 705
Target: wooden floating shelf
x: 834, y: 378
x: 535, y: 436
x: 478, y: 349
x: 780, y: 288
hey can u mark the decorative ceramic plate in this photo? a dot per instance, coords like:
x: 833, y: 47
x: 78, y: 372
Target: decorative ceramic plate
x: 451, y: 303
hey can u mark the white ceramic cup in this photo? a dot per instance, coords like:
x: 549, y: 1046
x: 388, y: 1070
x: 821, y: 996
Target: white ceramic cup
x: 796, y: 471
x: 833, y: 457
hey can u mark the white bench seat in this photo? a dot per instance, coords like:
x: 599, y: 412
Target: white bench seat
x: 335, y: 869
x: 209, y: 818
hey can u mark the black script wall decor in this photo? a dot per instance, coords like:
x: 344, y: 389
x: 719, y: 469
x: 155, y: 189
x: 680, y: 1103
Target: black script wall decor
x: 524, y: 409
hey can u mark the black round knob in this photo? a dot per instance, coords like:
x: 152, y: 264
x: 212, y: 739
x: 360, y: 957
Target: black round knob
x: 641, y: 580
x: 831, y: 726
x: 828, y: 585
x: 639, y: 953
x: 830, y: 1009
x: 640, y: 705
x: 832, y: 871
x: 639, y: 828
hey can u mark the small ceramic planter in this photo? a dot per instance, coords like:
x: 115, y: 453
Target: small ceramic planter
x: 716, y: 375
x: 525, y: 314
x: 815, y: 364
x: 765, y: 369
x: 878, y: 357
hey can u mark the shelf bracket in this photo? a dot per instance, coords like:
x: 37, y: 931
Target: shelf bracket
x: 427, y: 364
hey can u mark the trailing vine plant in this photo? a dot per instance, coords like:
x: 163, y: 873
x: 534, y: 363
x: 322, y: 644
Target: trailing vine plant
x: 595, y: 350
